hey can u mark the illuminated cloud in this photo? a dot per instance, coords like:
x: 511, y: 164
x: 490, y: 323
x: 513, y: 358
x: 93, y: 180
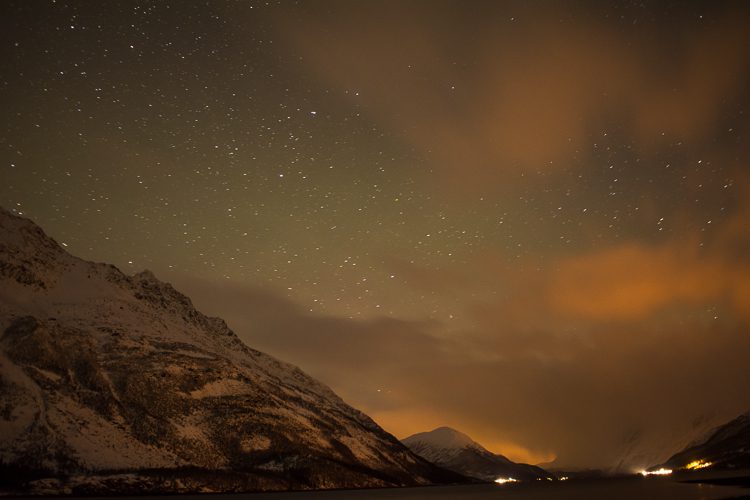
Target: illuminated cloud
x: 528, y: 92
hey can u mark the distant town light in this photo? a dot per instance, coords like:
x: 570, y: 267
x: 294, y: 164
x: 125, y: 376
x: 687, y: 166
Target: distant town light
x: 503, y: 480
x: 698, y: 464
x: 659, y: 472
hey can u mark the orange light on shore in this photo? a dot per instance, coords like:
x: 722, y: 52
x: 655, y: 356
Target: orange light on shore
x: 698, y: 464
x: 503, y: 480
x: 658, y: 472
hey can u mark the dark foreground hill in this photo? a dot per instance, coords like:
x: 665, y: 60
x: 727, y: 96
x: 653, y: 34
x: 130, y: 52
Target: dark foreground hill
x: 116, y: 384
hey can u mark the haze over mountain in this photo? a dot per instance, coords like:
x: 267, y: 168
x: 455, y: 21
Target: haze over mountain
x: 456, y: 451
x: 116, y: 383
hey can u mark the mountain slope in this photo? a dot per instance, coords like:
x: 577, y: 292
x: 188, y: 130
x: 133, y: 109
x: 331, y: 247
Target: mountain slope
x: 640, y: 448
x: 115, y: 383
x: 456, y: 451
x: 728, y: 446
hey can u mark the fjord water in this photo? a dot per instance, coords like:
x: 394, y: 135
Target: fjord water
x: 611, y: 489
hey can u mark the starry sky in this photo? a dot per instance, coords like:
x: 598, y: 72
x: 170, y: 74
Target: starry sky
x: 526, y: 220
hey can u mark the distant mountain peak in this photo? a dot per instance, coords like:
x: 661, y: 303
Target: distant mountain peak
x: 456, y: 451
x: 445, y: 438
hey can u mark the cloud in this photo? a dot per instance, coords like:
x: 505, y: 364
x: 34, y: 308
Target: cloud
x: 371, y: 353
x: 586, y: 353
x: 526, y: 92
x: 403, y: 373
x: 531, y: 388
x: 587, y: 356
x: 632, y: 281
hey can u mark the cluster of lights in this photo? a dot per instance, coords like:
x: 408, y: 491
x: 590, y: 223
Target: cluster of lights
x: 694, y: 465
x: 658, y: 472
x: 698, y: 464
x: 503, y: 480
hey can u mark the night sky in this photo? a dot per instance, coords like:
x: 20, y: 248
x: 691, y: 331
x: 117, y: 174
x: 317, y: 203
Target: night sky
x: 526, y: 220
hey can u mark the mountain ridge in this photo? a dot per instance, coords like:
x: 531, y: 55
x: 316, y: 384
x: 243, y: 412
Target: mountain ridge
x: 724, y: 447
x: 116, y: 383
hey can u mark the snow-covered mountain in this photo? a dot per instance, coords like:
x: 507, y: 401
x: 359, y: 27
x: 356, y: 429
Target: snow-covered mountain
x: 456, y: 451
x: 116, y: 383
x: 727, y: 446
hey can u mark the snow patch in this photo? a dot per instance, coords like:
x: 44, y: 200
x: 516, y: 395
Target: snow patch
x: 255, y: 443
x: 219, y: 388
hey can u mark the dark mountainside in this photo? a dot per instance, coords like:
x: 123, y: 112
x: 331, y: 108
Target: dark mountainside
x: 116, y: 384
x: 727, y: 447
x: 456, y: 451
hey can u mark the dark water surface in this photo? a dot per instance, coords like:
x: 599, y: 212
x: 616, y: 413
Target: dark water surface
x: 609, y: 489
x: 631, y: 488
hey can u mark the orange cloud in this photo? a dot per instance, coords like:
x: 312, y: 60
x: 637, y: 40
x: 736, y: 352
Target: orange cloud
x: 632, y: 281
